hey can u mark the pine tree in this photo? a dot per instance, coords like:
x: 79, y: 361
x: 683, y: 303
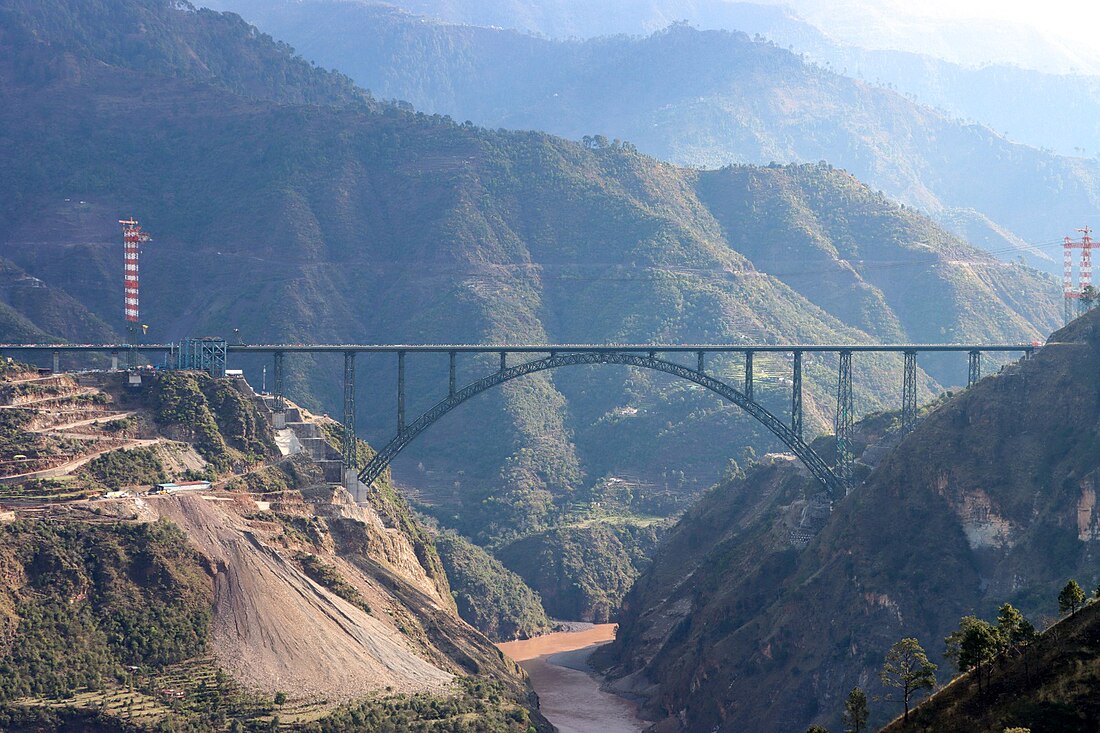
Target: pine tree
x: 908, y: 669
x: 975, y: 644
x: 1071, y: 597
x: 855, y: 711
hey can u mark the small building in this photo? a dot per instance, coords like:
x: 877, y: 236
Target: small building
x: 116, y: 495
x: 172, y: 487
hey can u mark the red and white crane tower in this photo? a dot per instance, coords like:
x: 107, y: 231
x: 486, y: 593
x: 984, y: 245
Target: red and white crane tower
x: 132, y: 238
x: 1083, y: 292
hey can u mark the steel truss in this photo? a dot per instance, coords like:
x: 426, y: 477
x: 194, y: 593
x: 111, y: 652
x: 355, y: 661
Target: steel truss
x: 816, y: 465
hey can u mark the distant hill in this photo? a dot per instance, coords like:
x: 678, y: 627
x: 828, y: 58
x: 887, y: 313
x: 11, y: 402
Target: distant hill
x: 712, y: 98
x: 991, y: 499
x: 350, y: 221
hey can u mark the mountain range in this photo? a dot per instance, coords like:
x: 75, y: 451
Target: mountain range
x: 288, y: 203
x: 711, y: 98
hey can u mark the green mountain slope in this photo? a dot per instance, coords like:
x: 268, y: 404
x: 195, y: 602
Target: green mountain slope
x: 341, y: 223
x: 704, y: 98
x: 1050, y: 686
x: 491, y: 598
x: 991, y: 499
x: 52, y: 41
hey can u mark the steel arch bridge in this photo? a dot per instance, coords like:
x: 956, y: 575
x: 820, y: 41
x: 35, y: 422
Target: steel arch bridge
x: 210, y: 354
x: 816, y: 465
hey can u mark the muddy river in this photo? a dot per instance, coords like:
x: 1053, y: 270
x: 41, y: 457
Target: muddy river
x: 570, y: 696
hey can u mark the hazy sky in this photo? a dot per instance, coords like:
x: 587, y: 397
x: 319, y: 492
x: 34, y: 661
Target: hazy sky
x: 1051, y: 16
x: 1052, y: 34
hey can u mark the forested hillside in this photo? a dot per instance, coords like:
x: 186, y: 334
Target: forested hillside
x: 708, y: 98
x: 991, y: 499
x: 143, y: 610
x: 344, y: 223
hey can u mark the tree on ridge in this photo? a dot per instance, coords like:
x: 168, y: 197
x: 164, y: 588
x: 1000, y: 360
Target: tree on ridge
x: 1071, y: 597
x: 907, y: 668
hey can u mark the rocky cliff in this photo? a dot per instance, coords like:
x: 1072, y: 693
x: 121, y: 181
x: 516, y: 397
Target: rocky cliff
x: 991, y: 499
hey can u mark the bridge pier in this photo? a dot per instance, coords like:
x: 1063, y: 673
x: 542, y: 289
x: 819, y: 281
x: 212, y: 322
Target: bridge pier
x: 701, y: 368
x: 400, y: 392
x: 114, y: 361
x: 277, y: 390
x: 843, y: 422
x: 748, y: 374
x: 349, y: 447
x: 503, y: 360
x: 796, y: 395
x: 452, y: 376
x: 974, y: 374
x: 909, y: 392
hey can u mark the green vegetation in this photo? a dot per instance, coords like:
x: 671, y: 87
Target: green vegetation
x: 491, y: 598
x: 133, y: 467
x: 477, y: 706
x: 1040, y: 682
x: 1071, y: 597
x: 329, y: 576
x: 908, y: 670
x: 856, y: 712
x: 211, y: 415
x: 582, y: 572
x: 82, y: 601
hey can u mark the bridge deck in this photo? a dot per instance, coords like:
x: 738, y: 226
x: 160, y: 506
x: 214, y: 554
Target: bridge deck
x: 540, y: 348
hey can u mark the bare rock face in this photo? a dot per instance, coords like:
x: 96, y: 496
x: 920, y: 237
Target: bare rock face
x: 277, y: 629
x: 991, y: 499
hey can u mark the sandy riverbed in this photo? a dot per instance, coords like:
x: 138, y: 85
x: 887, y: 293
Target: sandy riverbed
x: 570, y: 696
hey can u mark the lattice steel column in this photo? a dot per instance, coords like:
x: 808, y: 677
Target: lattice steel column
x: 452, y: 376
x: 277, y: 389
x: 909, y: 392
x: 748, y: 374
x: 843, y: 423
x: 975, y: 372
x: 348, y: 449
x: 796, y: 395
x: 400, y: 392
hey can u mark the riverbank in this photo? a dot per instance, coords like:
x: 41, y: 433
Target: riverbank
x: 569, y: 692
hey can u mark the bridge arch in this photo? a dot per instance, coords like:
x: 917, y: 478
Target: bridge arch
x: 816, y: 465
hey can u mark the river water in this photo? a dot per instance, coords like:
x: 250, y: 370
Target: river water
x: 569, y: 695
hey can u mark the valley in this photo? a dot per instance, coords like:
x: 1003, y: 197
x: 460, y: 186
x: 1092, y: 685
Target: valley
x: 693, y: 381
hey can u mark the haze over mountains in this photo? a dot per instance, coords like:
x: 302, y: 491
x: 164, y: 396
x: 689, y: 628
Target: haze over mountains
x: 972, y: 33
x: 999, y: 89
x: 711, y: 98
